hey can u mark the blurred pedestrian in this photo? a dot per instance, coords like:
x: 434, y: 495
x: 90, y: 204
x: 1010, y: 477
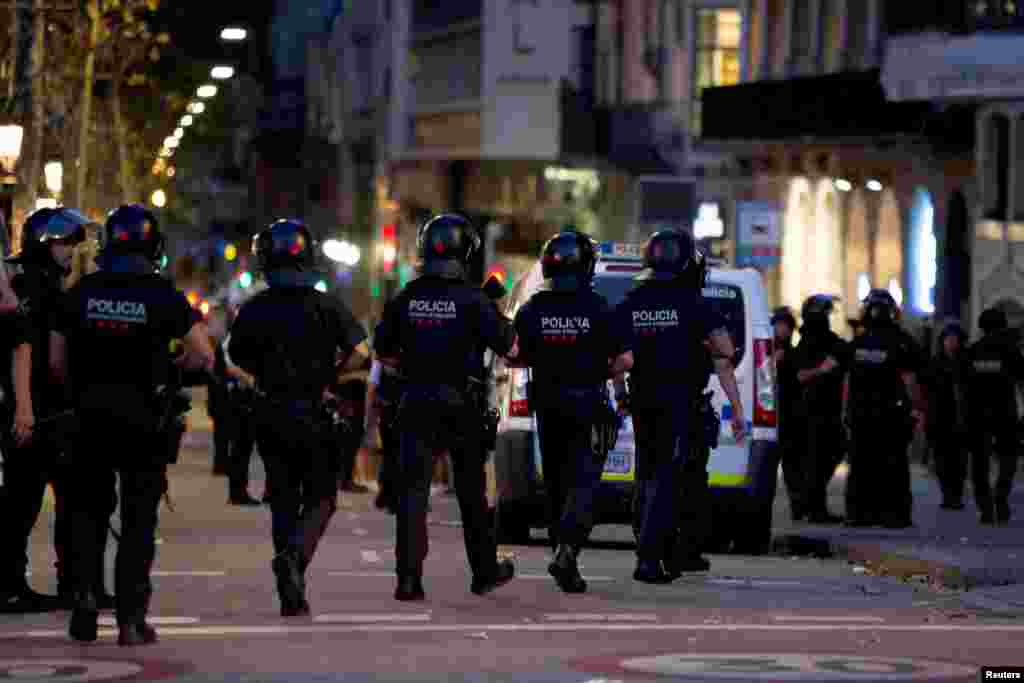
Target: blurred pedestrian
x: 947, y: 414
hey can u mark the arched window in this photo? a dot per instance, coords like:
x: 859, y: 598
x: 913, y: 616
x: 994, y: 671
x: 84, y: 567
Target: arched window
x: 858, y: 255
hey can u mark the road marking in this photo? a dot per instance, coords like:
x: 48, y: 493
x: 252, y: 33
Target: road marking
x: 194, y: 573
x: 66, y: 670
x: 787, y: 667
x: 862, y: 620
x: 601, y: 617
x: 369, y: 618
x: 229, y: 630
x: 155, y: 621
x: 360, y: 532
x: 754, y: 582
x: 363, y: 575
x: 547, y: 577
x: 370, y: 556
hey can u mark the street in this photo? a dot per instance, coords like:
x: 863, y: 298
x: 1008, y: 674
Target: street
x: 777, y: 617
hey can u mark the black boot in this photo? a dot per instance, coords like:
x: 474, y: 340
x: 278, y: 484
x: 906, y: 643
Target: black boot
x: 291, y: 586
x: 504, y: 571
x: 566, y: 571
x: 651, y: 571
x: 1002, y: 511
x: 19, y: 598
x: 136, y: 633
x: 84, y: 618
x: 410, y: 588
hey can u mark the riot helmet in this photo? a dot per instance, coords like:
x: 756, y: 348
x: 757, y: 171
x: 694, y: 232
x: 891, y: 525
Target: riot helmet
x: 43, y: 227
x: 286, y: 254
x: 880, y: 308
x: 784, y: 314
x: 993, y: 320
x: 131, y: 231
x: 667, y: 255
x: 568, y: 261
x: 446, y: 244
x: 816, y: 311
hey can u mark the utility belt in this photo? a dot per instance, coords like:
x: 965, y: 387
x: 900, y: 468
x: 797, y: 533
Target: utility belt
x: 446, y: 415
x: 587, y: 404
x: 872, y: 411
x: 479, y: 395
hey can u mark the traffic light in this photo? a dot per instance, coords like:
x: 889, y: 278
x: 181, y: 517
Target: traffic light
x: 388, y: 247
x: 230, y: 252
x: 245, y: 279
x: 499, y: 273
x: 193, y: 298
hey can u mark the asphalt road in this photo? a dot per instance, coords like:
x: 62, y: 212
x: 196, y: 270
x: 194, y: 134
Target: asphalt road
x: 766, y: 618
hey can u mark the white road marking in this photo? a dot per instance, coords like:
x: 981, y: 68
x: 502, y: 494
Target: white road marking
x: 754, y: 582
x: 363, y: 575
x: 360, y: 532
x: 547, y: 577
x: 155, y: 621
x: 601, y: 617
x: 369, y: 618
x: 193, y: 573
x: 797, y: 617
x: 229, y: 630
x: 370, y: 556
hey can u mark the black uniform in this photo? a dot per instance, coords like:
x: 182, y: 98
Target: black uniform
x: 822, y: 406
x: 288, y: 337
x: 996, y: 366
x: 14, y: 332
x: 947, y: 424
x: 389, y: 393
x: 127, y: 318
x: 435, y: 327
x: 568, y: 337
x: 235, y: 420
x: 668, y: 324
x: 881, y: 427
x: 792, y: 431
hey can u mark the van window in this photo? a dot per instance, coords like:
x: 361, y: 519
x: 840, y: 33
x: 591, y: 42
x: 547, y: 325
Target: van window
x: 727, y: 301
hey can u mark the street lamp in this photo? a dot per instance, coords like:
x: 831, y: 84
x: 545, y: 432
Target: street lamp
x: 233, y: 34
x: 186, y: 120
x: 196, y: 108
x: 54, y: 173
x: 222, y: 73
x: 179, y: 132
x: 206, y: 91
x: 171, y: 143
x: 159, y: 199
x: 10, y: 146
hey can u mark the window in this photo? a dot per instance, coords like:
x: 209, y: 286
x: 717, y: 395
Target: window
x: 997, y: 171
x: 717, y: 62
x: 803, y: 55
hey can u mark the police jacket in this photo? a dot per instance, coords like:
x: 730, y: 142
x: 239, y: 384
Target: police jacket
x: 288, y: 338
x: 567, y: 337
x: 665, y: 326
x: 823, y: 395
x: 879, y: 357
x: 118, y: 326
x: 947, y: 393
x: 39, y: 291
x: 788, y: 386
x: 996, y: 366
x: 438, y: 329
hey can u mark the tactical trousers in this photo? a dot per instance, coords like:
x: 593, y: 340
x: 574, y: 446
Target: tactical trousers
x: 793, y: 454
x: 825, y: 448
x: 27, y: 471
x: 993, y: 438
x: 242, y: 442
x: 950, y: 456
x: 878, y: 484
x: 302, y: 473
x: 572, y: 473
x: 389, y: 442
x: 662, y: 444
x: 428, y: 426
x: 694, y: 507
x: 92, y: 497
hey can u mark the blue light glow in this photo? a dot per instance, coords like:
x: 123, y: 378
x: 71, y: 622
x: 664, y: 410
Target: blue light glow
x: 925, y: 257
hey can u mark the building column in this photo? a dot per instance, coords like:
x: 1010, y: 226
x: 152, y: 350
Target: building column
x: 817, y: 24
x: 764, y: 70
x: 783, y: 68
x: 747, y: 60
x: 873, y: 33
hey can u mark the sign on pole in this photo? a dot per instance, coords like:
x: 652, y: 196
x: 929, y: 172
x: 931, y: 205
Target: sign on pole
x: 758, y: 234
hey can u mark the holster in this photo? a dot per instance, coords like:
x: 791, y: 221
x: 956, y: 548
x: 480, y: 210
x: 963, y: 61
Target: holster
x: 605, y: 430
x: 441, y: 414
x: 708, y: 420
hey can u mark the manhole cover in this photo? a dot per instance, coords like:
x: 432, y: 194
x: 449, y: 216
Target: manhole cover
x: 794, y: 667
x: 65, y: 670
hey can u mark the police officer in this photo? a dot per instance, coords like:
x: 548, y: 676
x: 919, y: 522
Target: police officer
x: 433, y: 331
x: 792, y: 434
x: 821, y: 361
x: 882, y: 405
x: 288, y: 337
x: 567, y: 335
x: 947, y: 414
x: 670, y: 326
x: 113, y: 333
x: 48, y: 239
x: 996, y: 366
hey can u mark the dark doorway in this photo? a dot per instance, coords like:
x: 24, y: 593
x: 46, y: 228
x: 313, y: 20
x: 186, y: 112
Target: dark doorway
x: 957, y: 257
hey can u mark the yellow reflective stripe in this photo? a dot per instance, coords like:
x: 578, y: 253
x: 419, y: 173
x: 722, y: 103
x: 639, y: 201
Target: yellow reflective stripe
x: 611, y: 476
x: 719, y: 479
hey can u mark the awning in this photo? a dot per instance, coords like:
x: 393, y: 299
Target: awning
x: 938, y: 66
x: 839, y: 106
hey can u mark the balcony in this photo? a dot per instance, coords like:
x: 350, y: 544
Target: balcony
x: 834, y: 107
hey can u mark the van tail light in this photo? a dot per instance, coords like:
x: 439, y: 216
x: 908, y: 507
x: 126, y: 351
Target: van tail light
x: 518, y: 405
x: 764, y: 384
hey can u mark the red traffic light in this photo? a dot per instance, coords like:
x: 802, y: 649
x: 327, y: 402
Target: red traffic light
x: 389, y: 232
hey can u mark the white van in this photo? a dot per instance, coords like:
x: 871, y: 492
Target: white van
x: 742, y: 475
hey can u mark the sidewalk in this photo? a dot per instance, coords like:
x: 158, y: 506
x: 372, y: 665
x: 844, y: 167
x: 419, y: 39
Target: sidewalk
x: 948, y: 547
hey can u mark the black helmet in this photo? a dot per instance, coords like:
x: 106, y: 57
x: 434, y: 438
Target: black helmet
x: 60, y: 224
x: 668, y: 254
x: 285, y: 244
x: 818, y: 306
x: 784, y: 314
x: 953, y: 328
x: 880, y: 307
x: 494, y: 288
x: 446, y: 244
x: 132, y: 229
x: 568, y: 260
x: 993, y: 320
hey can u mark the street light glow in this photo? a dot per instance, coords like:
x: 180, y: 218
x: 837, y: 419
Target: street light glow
x: 233, y: 34
x: 179, y: 132
x: 171, y: 143
x: 843, y: 185
x: 54, y: 173
x: 874, y: 185
x: 222, y: 73
x: 206, y: 91
x: 321, y: 286
x: 186, y: 120
x: 159, y: 199
x: 171, y: 172
x: 165, y: 152
x: 388, y: 252
x: 196, y: 108
x: 341, y: 251
x: 10, y: 146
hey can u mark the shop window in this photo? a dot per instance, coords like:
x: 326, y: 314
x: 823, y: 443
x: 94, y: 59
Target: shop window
x: 832, y: 45
x: 925, y: 254
x: 997, y: 167
x: 717, y: 53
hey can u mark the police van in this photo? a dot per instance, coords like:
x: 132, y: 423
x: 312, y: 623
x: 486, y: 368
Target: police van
x: 741, y: 475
